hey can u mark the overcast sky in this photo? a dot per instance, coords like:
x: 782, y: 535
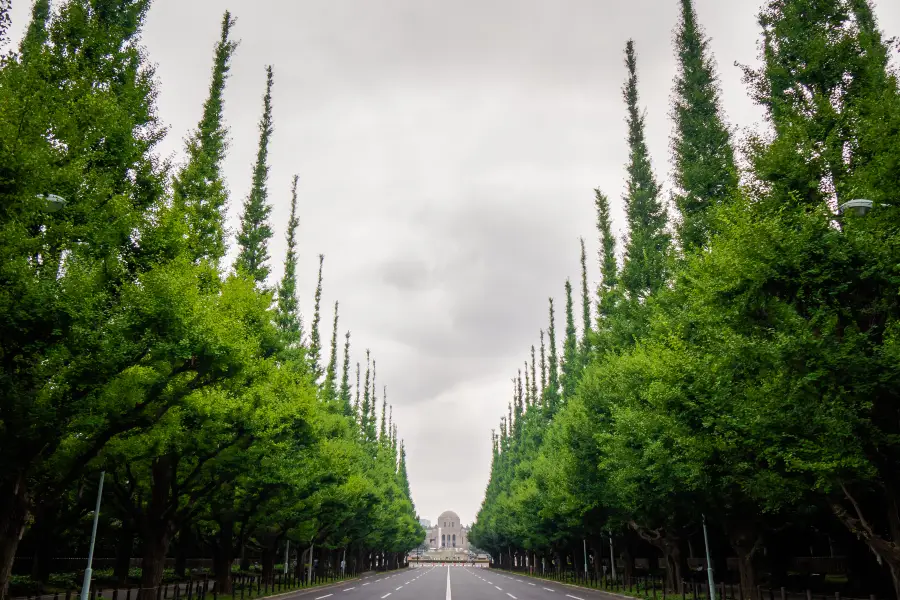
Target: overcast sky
x: 447, y: 153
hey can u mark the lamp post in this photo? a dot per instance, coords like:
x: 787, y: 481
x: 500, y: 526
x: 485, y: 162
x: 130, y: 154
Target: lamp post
x: 86, y: 584
x: 709, y: 568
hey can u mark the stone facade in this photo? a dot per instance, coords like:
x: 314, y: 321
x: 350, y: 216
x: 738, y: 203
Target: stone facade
x: 448, y: 532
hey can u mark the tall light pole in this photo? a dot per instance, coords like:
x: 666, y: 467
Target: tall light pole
x: 86, y: 584
x: 709, y: 568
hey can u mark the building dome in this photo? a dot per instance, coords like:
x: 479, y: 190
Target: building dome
x: 449, y: 519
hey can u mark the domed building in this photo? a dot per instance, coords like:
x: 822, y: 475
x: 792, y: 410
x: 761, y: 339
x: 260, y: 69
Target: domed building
x: 448, y: 532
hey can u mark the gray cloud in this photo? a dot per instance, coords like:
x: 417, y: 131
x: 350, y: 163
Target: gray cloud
x: 447, y: 153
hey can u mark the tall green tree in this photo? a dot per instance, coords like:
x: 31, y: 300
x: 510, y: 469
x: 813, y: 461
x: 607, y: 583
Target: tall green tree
x: 831, y: 99
x: 571, y: 358
x: 705, y: 173
x: 315, y: 339
x: 534, y: 390
x: 288, y: 318
x: 198, y: 188
x: 253, y: 238
x: 329, y: 389
x: 585, y: 349
x: 78, y: 120
x: 345, y: 378
x: 643, y: 271
x: 543, y: 368
x: 552, y: 391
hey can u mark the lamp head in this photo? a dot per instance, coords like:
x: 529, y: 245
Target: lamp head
x: 857, y: 207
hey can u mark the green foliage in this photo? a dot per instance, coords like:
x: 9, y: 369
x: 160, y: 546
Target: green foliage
x: 126, y: 348
x: 198, y: 188
x: 755, y: 380
x: 705, y: 173
x: 643, y: 272
x: 255, y: 232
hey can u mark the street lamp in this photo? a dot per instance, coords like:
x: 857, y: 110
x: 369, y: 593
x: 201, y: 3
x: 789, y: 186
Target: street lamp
x: 52, y: 202
x: 709, y: 568
x: 857, y: 207
x: 86, y: 584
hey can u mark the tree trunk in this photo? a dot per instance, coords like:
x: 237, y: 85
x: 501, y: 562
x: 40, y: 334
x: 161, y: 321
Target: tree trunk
x: 157, y: 527
x: 14, y: 505
x: 268, y: 563
x: 746, y: 541
x: 224, y: 555
x: 156, y: 546
x: 887, y: 550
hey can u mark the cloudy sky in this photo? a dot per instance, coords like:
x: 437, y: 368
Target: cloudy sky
x: 447, y: 153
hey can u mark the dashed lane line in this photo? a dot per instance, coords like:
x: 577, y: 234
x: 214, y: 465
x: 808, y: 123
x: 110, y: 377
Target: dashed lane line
x: 576, y: 597
x: 348, y: 589
x: 321, y: 597
x: 549, y: 590
x: 529, y: 583
x: 498, y: 587
x: 365, y: 584
x: 385, y: 596
x: 398, y: 588
x: 511, y: 596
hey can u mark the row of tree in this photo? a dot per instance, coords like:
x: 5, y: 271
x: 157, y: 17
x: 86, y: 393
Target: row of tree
x: 742, y: 360
x: 127, y: 346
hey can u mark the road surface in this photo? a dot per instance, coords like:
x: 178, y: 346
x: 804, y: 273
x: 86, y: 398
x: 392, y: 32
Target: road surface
x: 453, y: 583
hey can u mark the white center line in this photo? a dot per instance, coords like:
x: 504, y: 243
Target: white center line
x: 576, y: 597
x: 385, y: 596
x: 320, y: 597
x: 448, y: 597
x: 511, y: 596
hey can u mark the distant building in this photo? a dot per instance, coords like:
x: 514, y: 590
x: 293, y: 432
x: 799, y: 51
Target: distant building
x: 448, y: 532
x: 425, y: 523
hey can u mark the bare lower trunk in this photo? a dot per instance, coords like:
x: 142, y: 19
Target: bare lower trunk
x: 670, y: 547
x: 14, y: 505
x: 224, y: 556
x: 746, y: 541
x: 886, y: 549
x: 268, y: 563
x: 156, y: 546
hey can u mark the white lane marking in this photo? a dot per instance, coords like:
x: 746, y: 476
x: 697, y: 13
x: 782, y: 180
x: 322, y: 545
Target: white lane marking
x: 448, y: 597
x: 529, y: 583
x: 348, y: 589
x: 576, y: 597
x: 377, y: 580
x: 549, y: 590
x: 511, y: 596
x: 498, y: 587
x: 398, y: 588
x: 320, y: 597
x: 385, y: 596
x: 368, y: 584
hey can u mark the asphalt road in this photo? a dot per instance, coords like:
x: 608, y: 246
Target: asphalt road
x: 454, y: 583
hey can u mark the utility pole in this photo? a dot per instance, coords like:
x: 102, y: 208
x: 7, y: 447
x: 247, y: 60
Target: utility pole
x: 709, y: 568
x: 86, y: 584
